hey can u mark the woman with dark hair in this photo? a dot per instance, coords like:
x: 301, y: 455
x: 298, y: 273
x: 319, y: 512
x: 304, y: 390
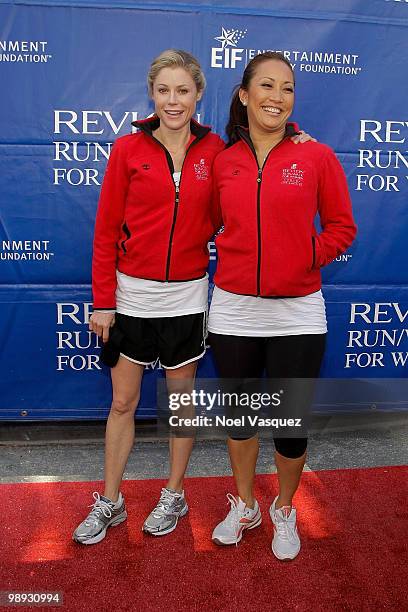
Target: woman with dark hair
x: 267, y: 310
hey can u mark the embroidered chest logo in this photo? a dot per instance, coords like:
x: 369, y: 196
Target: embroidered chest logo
x: 201, y: 171
x: 293, y: 176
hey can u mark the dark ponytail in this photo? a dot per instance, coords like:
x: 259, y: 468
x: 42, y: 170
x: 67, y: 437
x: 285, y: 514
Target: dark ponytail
x: 238, y: 116
x: 238, y: 113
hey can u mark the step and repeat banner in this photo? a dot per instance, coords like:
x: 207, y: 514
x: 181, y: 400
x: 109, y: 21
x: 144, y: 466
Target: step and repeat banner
x: 73, y: 78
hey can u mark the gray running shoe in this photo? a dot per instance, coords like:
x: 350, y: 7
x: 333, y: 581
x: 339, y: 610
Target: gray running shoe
x: 163, y: 519
x: 103, y: 515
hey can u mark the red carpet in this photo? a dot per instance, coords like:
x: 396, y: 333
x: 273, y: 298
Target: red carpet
x: 353, y: 525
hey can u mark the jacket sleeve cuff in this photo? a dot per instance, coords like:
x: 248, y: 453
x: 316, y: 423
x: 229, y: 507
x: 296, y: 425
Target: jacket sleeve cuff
x: 106, y: 310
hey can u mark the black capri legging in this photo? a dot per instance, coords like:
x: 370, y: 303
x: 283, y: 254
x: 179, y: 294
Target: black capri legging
x: 298, y: 356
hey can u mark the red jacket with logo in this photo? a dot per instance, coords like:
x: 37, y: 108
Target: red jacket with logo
x: 145, y: 227
x: 270, y: 246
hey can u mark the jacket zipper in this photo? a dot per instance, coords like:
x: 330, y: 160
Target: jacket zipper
x: 173, y: 225
x: 258, y: 209
x: 258, y: 219
x: 176, y: 197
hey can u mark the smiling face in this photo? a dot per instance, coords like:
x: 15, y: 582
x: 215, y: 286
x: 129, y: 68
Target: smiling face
x: 175, y: 96
x: 270, y: 97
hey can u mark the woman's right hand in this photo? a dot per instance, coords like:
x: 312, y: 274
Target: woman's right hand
x: 101, y: 322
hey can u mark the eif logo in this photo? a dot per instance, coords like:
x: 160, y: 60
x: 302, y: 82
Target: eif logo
x: 227, y: 55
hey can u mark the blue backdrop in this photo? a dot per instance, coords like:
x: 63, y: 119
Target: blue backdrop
x: 73, y: 78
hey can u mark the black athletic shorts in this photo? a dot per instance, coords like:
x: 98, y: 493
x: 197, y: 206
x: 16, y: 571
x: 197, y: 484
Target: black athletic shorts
x: 175, y: 341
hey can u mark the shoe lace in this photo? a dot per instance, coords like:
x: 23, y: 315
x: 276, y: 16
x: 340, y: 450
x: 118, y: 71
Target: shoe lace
x: 285, y: 528
x: 99, y: 507
x: 233, y: 516
x: 163, y: 507
x: 231, y: 520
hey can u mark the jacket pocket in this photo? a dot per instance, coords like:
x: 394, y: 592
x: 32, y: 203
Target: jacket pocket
x: 127, y: 233
x: 313, y: 253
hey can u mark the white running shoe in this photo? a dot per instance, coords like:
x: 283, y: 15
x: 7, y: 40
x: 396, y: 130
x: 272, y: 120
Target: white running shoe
x: 286, y: 542
x: 239, y: 518
x: 105, y: 513
x: 164, y: 517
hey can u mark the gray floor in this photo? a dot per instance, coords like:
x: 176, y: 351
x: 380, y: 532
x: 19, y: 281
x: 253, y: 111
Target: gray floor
x: 70, y: 451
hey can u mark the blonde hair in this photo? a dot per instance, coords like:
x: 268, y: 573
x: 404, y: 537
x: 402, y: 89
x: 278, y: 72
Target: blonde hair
x: 175, y: 58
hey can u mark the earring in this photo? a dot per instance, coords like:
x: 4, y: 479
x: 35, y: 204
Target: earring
x: 244, y: 103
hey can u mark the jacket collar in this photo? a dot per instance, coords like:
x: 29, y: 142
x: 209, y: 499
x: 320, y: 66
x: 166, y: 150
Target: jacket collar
x: 152, y: 123
x: 291, y: 129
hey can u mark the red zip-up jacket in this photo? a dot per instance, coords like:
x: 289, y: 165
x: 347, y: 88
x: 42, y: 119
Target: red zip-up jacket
x: 145, y: 227
x: 270, y: 246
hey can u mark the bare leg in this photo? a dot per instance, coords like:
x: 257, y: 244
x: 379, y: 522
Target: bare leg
x: 289, y: 473
x: 120, y: 428
x: 243, y: 456
x: 180, y: 448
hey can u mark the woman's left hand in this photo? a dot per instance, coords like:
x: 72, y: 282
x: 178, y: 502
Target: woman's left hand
x: 302, y: 137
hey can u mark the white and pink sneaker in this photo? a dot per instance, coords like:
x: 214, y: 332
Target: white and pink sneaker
x: 286, y: 542
x: 239, y: 518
